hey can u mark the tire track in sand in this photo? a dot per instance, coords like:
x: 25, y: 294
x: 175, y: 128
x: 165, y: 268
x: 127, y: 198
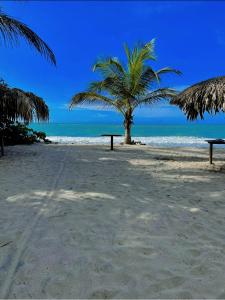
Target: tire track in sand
x: 6, y: 286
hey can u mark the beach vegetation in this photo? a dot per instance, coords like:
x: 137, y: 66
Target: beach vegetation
x: 16, y: 133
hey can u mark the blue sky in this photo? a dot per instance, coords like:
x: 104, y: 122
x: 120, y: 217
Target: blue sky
x: 190, y: 36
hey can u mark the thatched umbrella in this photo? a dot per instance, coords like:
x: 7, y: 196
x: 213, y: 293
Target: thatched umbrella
x: 205, y: 96
x: 16, y: 104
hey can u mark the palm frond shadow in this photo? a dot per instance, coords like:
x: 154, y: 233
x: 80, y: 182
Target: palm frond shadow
x: 112, y: 212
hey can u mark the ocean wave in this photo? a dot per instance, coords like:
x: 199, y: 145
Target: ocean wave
x: 162, y: 141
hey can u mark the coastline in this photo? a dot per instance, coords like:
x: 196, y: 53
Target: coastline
x: 138, y: 222
x: 155, y: 141
x: 183, y: 135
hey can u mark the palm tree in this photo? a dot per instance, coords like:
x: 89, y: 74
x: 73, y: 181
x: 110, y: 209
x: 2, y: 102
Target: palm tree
x: 127, y: 87
x: 16, y: 104
x: 11, y: 29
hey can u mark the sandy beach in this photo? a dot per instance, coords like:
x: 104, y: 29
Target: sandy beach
x: 86, y: 222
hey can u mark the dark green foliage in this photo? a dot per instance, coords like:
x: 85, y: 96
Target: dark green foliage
x: 40, y: 134
x: 19, y: 133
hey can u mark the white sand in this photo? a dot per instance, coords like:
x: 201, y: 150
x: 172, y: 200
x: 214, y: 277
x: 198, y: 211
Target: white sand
x: 85, y: 222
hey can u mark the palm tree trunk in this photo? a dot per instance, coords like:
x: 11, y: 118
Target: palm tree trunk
x: 127, y: 127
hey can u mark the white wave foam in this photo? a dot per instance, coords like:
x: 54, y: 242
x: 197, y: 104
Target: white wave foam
x: 162, y: 141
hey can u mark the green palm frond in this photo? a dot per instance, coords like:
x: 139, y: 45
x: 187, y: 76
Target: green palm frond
x: 114, y: 86
x: 97, y: 86
x: 91, y: 97
x: 11, y: 29
x: 167, y: 70
x: 140, y: 53
x: 147, y: 51
x: 157, y: 95
x: 109, y: 67
x: 147, y: 77
x: 128, y: 53
x: 136, y: 62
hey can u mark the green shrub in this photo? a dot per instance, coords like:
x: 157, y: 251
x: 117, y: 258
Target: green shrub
x: 19, y: 133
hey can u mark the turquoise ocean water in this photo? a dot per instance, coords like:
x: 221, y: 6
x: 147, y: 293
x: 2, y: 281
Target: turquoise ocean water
x: 160, y: 135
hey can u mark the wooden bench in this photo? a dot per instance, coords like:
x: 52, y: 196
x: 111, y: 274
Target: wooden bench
x: 211, y: 143
x: 111, y: 140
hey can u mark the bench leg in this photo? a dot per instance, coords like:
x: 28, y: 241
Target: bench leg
x: 111, y: 143
x: 2, y: 144
x: 210, y: 153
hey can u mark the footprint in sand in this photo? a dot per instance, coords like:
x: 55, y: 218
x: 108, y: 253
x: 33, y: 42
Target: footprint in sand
x: 168, y: 283
x: 103, y: 267
x: 103, y: 294
x: 124, y: 279
x: 184, y: 295
x: 147, y: 251
x: 194, y: 252
x: 200, y: 270
x: 120, y: 242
